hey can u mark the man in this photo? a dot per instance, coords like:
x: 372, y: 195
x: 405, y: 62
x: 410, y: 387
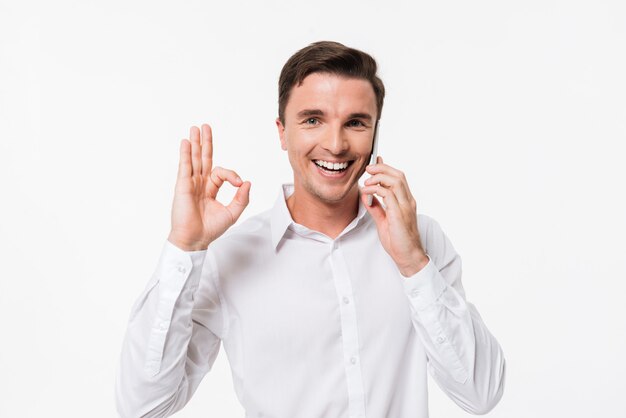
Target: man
x: 326, y: 306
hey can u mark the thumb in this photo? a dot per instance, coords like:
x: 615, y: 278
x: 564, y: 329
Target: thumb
x: 376, y: 210
x: 241, y: 200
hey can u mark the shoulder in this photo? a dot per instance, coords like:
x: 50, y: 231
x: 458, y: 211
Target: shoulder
x: 428, y: 226
x: 240, y: 250
x: 251, y: 226
x: 252, y: 232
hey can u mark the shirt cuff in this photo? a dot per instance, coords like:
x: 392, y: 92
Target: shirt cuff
x: 425, y: 286
x: 175, y: 266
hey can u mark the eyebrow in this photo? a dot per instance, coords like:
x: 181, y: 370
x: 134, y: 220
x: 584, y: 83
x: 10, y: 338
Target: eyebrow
x: 318, y: 112
x: 310, y: 112
x: 365, y: 116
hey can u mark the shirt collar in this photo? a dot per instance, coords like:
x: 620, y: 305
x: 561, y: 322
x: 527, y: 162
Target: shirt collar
x: 281, y: 218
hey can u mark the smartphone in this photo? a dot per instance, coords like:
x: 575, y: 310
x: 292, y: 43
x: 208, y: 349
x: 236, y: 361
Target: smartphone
x: 373, y: 156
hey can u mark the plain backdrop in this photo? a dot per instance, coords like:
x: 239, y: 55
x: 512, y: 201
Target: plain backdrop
x: 508, y: 118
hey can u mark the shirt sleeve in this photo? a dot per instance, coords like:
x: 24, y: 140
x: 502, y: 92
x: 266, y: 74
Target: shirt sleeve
x: 464, y: 358
x: 173, y: 335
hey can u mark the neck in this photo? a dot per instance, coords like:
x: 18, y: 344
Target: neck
x: 329, y: 218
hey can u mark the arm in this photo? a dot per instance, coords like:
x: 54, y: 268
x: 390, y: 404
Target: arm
x: 172, y: 339
x: 175, y: 326
x: 464, y: 358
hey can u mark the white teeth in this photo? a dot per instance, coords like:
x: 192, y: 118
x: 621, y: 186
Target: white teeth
x: 332, y: 166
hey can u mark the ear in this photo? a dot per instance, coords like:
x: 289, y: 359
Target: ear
x: 281, y: 134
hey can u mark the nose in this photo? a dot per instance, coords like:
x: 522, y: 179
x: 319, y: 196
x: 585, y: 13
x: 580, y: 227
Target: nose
x: 336, y: 141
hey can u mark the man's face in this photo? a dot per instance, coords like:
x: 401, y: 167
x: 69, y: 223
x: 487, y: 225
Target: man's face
x: 328, y: 133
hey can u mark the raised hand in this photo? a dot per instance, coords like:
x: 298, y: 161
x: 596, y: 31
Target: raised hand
x: 397, y: 223
x: 197, y: 217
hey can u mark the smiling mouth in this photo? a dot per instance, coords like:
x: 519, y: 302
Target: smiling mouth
x: 332, y: 167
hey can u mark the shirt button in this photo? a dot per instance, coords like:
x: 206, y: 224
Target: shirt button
x: 353, y: 360
x: 440, y: 339
x: 346, y: 300
x: 415, y: 293
x: 180, y: 269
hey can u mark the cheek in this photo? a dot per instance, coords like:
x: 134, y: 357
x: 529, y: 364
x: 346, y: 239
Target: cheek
x: 364, y: 149
x: 300, y: 143
x: 361, y: 143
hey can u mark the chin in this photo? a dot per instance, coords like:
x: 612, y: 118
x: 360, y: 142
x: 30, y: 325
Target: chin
x: 330, y: 196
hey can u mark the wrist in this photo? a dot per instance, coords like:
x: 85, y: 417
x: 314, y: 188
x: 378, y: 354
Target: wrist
x: 187, y: 245
x: 418, y: 262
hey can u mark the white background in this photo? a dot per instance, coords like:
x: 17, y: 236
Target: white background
x: 507, y: 117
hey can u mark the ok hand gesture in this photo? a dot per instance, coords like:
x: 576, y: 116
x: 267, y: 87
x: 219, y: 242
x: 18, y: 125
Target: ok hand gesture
x: 197, y: 217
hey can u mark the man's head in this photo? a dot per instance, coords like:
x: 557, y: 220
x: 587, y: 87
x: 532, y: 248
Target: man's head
x: 330, y: 100
x: 328, y: 57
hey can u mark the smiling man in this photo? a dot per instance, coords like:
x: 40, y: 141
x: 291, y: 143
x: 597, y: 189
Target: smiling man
x: 326, y: 306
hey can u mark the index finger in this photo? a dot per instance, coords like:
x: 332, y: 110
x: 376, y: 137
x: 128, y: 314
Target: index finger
x: 381, y: 167
x: 207, y: 150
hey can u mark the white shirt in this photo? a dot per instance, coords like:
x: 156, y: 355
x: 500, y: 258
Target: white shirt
x: 312, y: 327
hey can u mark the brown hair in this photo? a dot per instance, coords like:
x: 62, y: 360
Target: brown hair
x: 328, y: 57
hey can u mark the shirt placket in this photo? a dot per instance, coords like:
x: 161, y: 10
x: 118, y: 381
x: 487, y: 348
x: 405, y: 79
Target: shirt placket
x: 349, y: 332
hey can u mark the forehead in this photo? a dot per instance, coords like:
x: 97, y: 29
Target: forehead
x: 333, y: 94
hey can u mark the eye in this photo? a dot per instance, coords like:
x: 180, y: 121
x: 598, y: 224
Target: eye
x: 311, y: 121
x: 355, y: 123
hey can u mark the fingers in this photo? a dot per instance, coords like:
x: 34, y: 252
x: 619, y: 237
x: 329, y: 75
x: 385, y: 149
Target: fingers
x: 381, y: 167
x: 184, y: 160
x: 196, y: 162
x: 388, y: 196
x: 218, y: 176
x: 398, y: 186
x: 207, y: 150
x: 240, y: 201
x: 197, y: 158
x: 376, y: 209
x: 390, y: 178
x: 242, y: 197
